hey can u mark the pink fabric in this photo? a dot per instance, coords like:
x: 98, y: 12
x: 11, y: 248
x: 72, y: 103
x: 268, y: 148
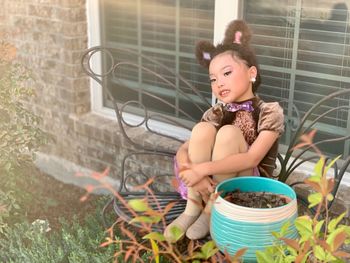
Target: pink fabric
x: 182, y: 188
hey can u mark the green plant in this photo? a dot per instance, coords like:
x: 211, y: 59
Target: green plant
x: 8, y: 205
x: 34, y: 242
x: 321, y: 238
x: 20, y: 134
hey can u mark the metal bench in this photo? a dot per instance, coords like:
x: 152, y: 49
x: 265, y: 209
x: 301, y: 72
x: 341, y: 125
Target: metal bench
x: 288, y: 163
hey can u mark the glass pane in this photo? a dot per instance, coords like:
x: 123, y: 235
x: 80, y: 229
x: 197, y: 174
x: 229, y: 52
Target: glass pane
x: 165, y: 31
x: 303, y: 50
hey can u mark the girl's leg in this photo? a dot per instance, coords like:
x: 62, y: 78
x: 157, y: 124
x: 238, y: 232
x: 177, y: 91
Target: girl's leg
x: 229, y: 140
x: 200, y: 149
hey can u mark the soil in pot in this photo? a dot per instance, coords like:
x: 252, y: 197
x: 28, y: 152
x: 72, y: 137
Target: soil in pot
x: 256, y: 199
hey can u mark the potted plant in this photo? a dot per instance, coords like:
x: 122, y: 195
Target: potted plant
x: 234, y: 226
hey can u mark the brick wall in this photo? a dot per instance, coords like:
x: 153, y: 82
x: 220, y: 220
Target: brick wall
x: 50, y: 36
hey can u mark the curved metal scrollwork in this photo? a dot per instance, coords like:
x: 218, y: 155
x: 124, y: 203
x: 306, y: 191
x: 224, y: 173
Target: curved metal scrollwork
x: 147, y: 117
x: 298, y: 126
x: 201, y: 103
x: 306, y: 125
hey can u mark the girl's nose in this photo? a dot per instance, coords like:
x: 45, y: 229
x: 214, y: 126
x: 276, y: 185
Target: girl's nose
x: 220, y: 82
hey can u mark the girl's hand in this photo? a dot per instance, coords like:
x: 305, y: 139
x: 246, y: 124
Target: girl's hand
x: 191, y: 175
x: 205, y: 187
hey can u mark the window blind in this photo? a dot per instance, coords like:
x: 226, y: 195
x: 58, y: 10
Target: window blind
x: 303, y: 50
x: 166, y: 31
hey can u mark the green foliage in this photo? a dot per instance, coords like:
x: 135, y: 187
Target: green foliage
x: 321, y: 239
x: 75, y: 243
x: 8, y: 206
x: 20, y: 134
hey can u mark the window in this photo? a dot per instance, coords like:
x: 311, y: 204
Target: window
x: 302, y: 47
x: 163, y: 30
x: 304, y: 53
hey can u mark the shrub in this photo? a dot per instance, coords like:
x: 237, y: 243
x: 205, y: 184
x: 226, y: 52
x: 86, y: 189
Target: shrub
x: 26, y: 242
x: 20, y: 134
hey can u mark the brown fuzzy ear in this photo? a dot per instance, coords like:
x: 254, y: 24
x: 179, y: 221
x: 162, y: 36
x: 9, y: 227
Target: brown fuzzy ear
x: 204, y: 51
x: 231, y: 35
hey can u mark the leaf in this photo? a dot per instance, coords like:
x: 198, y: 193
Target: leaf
x: 330, y: 197
x: 334, y: 222
x: 154, y: 236
x: 106, y: 243
x: 331, y: 164
x: 239, y: 253
x: 138, y: 205
x: 318, y: 226
x: 291, y: 242
x: 314, y: 199
x: 128, y: 254
x: 318, y: 169
x: 155, y: 250
x: 175, y: 233
x: 332, y: 236
x: 168, y: 207
x: 306, y: 139
x: 325, y: 245
x: 198, y: 255
x: 314, y: 185
x: 209, y: 249
x: 263, y: 257
x: 341, y: 254
x: 304, y: 227
x: 314, y: 178
x: 338, y: 241
x: 319, y: 253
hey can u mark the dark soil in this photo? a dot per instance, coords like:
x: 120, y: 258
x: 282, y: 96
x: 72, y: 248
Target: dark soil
x: 256, y: 199
x: 40, y: 196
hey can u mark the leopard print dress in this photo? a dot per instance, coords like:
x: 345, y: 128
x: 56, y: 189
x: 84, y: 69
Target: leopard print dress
x: 265, y: 116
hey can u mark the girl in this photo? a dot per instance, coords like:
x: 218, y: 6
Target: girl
x: 238, y: 136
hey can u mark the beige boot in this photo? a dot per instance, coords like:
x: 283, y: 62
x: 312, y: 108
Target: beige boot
x: 188, y: 217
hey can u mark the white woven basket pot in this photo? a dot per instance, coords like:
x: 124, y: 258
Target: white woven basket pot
x: 233, y: 227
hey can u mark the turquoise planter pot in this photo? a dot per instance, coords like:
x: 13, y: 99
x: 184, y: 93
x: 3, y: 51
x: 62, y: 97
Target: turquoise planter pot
x: 233, y: 227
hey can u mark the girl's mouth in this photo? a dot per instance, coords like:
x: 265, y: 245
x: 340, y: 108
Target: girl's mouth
x: 224, y: 93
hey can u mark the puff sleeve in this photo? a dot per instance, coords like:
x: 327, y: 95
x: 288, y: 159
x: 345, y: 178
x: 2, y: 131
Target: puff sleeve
x: 214, y: 115
x: 271, y: 118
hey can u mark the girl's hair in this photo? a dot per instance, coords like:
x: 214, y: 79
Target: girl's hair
x: 236, y: 41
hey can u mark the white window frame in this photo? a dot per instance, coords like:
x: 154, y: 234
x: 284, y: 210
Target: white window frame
x: 222, y: 16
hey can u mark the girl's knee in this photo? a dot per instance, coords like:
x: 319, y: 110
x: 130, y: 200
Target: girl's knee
x: 229, y: 134
x: 203, y: 131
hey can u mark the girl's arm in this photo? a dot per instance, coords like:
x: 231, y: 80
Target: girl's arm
x: 233, y: 163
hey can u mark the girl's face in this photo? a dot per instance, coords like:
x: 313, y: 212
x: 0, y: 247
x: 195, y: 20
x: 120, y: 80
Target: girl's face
x: 231, y: 78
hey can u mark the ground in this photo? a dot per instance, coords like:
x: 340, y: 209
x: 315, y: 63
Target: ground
x: 40, y: 196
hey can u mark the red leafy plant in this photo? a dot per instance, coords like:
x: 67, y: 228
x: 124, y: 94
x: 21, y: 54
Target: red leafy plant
x: 148, y: 245
x: 321, y: 237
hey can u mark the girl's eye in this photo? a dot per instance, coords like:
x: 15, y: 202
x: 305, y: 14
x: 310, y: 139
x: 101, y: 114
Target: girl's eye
x: 212, y: 80
x: 227, y: 73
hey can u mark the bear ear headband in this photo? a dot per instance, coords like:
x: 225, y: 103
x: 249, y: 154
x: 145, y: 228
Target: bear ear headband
x: 237, y: 40
x: 204, y: 51
x: 237, y: 32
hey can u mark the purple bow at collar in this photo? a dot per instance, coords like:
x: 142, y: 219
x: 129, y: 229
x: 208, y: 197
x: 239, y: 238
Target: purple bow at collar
x: 233, y: 107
